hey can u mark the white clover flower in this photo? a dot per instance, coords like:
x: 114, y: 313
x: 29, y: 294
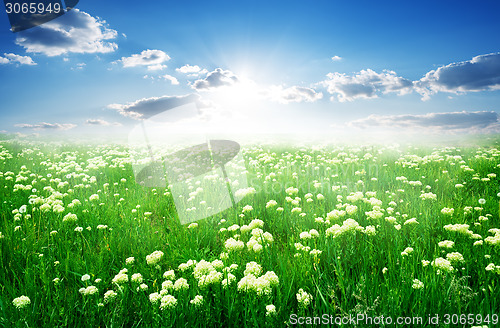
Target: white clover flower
x: 21, y: 302
x: 417, y: 284
x: 154, y: 258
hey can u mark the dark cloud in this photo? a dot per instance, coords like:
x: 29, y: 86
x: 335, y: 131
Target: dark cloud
x: 216, y: 79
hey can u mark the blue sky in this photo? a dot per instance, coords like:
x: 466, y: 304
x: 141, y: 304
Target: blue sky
x: 289, y: 66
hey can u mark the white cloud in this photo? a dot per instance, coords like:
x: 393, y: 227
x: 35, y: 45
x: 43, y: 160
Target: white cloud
x: 76, y: 31
x: 454, y: 121
x: 100, y: 122
x: 215, y: 79
x: 481, y: 73
x: 13, y: 58
x: 157, y: 67
x: 151, y: 58
x: 147, y: 107
x: 47, y: 126
x: 191, y: 70
x: 336, y: 58
x: 170, y: 78
x: 365, y: 84
x: 294, y: 94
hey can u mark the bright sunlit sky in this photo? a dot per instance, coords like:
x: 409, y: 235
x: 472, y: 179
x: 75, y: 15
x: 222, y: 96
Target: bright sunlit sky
x: 259, y: 66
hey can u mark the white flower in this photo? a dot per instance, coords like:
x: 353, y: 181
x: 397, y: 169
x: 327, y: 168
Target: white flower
x: 110, y: 296
x: 270, y: 310
x: 446, y: 244
x: 304, y: 298
x: 417, y: 284
x: 193, y: 225
x: 85, y: 277
x: 197, y: 300
x: 21, y: 302
x: 168, y: 302
x: 130, y: 260
x: 136, y: 278
x: 154, y: 257
x: 482, y: 201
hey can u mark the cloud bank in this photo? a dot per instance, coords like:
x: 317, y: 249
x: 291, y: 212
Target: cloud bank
x: 47, y: 126
x: 479, y: 121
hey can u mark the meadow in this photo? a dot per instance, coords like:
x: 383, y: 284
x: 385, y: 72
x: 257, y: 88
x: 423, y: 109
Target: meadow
x: 348, y: 231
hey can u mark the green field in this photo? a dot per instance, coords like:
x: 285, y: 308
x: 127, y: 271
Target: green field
x: 338, y: 230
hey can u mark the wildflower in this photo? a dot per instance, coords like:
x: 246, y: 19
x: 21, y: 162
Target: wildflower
x: 447, y: 211
x: 197, y: 300
x: 271, y: 203
x: 169, y: 275
x: 384, y: 270
x: 85, y: 277
x: 120, y: 278
x: 425, y: 263
x: 482, y: 201
x: 417, y: 284
x: 129, y: 260
x: 136, y: 278
x: 21, y: 302
x: 442, y: 264
x: 154, y: 298
x: 78, y: 229
x: 110, y: 296
x: 142, y: 287
x: 455, y: 257
x: 270, y: 310
x: 247, y: 208
x: 181, y: 284
x: 446, y: 244
x: 303, y: 298
x: 407, y: 251
x: 154, y: 257
x: 193, y: 225
x: 234, y: 245
x: 253, y: 268
x: 70, y: 217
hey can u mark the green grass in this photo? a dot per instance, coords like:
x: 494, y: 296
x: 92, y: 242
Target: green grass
x: 346, y: 278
